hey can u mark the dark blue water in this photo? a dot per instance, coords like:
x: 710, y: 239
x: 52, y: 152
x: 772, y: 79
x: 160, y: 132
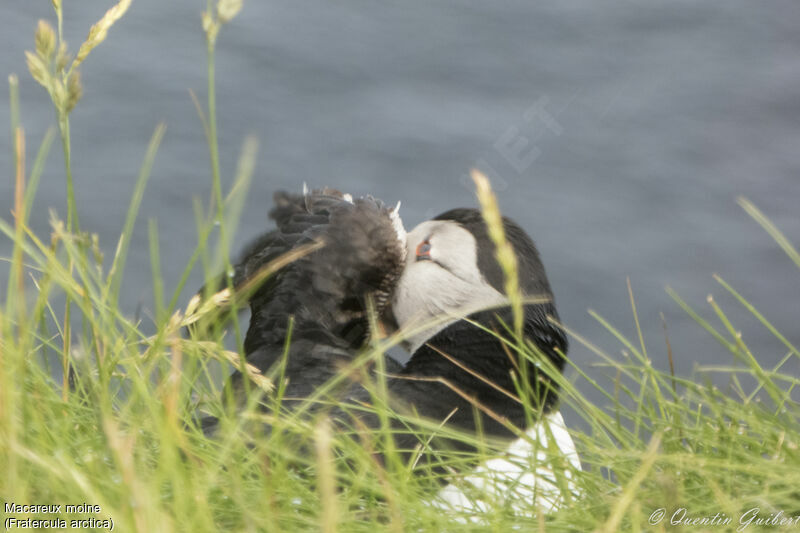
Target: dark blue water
x: 618, y: 134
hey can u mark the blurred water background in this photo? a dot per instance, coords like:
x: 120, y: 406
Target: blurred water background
x: 618, y: 134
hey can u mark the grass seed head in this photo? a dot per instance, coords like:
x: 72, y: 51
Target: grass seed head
x: 38, y: 69
x: 74, y: 90
x: 45, y: 39
x: 228, y: 9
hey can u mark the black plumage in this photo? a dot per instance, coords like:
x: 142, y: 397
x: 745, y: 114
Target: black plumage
x: 325, y: 292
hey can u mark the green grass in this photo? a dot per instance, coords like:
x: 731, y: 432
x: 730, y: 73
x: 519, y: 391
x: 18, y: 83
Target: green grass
x: 124, y: 436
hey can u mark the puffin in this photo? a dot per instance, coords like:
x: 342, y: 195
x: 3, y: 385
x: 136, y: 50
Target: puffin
x: 441, y: 287
x: 453, y: 280
x: 311, y: 316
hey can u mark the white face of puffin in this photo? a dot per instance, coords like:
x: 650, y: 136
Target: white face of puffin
x: 441, y: 281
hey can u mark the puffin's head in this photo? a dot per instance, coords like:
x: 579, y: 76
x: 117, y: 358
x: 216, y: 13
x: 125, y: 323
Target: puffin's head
x: 451, y: 271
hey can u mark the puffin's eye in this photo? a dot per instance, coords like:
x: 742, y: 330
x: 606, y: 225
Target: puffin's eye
x: 424, y: 251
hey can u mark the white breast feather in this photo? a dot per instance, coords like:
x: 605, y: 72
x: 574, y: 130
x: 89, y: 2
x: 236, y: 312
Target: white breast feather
x: 524, y: 479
